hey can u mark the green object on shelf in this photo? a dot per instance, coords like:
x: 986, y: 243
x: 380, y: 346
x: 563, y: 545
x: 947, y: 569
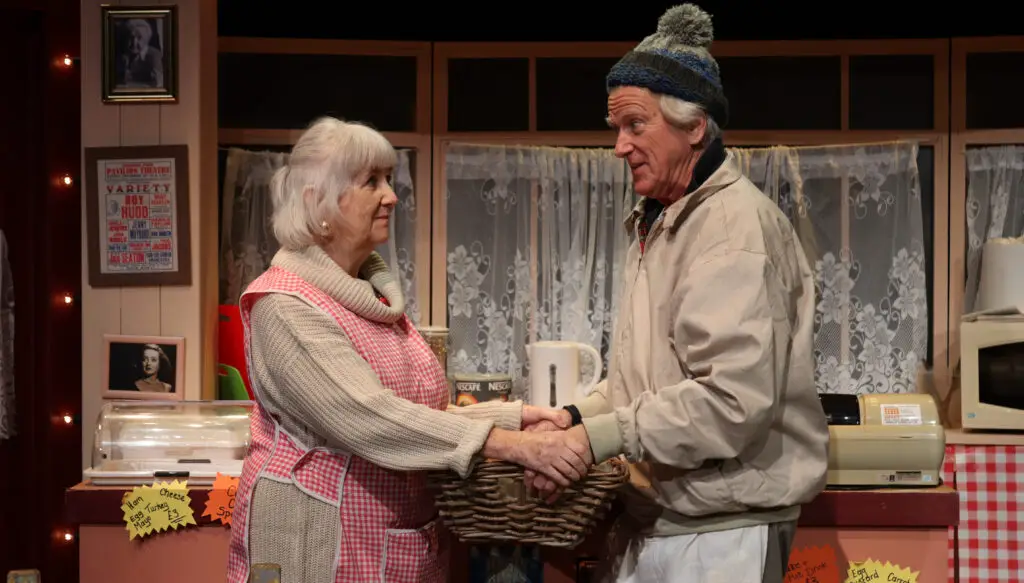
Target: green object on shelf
x: 231, y: 387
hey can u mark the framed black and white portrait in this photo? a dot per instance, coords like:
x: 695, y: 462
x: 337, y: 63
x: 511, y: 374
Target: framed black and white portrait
x: 140, y: 54
x: 145, y: 367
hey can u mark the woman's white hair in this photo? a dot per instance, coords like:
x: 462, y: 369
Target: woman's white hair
x: 684, y: 114
x: 325, y: 162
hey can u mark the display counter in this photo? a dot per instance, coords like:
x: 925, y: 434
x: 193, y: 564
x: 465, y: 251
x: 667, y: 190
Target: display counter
x: 905, y: 527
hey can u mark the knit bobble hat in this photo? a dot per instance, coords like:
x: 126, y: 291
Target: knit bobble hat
x: 675, y: 61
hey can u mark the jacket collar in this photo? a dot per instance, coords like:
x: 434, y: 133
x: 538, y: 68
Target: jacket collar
x: 727, y: 173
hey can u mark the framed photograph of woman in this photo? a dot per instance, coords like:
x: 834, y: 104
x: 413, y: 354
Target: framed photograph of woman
x: 140, y: 53
x: 145, y: 367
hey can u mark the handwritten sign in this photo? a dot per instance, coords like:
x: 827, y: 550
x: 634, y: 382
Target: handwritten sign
x: 221, y: 503
x: 149, y: 509
x: 812, y: 565
x: 871, y: 571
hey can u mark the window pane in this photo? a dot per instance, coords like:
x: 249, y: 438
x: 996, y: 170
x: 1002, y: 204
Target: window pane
x: 892, y: 92
x: 488, y: 95
x: 782, y: 93
x: 926, y: 178
x: 571, y: 94
x: 995, y: 90
x: 271, y: 91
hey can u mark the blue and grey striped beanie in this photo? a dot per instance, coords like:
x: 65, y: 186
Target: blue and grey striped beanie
x: 675, y: 61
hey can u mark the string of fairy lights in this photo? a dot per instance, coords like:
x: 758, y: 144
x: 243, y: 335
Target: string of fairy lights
x: 66, y: 180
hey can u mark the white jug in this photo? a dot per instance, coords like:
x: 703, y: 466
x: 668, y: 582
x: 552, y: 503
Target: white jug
x: 555, y: 372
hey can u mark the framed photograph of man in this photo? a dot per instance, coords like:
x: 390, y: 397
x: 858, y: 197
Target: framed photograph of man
x: 144, y: 367
x: 140, y: 53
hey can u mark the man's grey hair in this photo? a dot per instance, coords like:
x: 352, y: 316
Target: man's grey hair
x: 323, y: 166
x: 684, y: 114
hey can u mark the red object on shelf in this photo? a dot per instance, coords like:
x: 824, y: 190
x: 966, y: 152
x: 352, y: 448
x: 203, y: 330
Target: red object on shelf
x: 231, y: 340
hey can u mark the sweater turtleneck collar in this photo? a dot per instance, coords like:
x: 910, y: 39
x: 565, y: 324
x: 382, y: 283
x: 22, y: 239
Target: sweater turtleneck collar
x: 356, y: 294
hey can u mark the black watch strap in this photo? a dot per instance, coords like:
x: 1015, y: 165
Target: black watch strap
x: 574, y: 414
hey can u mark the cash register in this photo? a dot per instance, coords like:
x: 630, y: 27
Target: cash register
x: 883, y: 440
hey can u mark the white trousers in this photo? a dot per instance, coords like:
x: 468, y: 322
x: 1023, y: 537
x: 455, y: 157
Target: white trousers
x: 728, y: 556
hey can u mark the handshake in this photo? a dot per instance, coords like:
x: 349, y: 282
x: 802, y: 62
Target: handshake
x: 554, y: 454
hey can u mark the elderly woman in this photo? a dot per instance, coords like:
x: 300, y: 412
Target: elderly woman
x: 351, y: 404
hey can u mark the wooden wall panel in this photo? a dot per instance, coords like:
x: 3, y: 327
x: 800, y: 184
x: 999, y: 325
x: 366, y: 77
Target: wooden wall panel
x: 188, y: 311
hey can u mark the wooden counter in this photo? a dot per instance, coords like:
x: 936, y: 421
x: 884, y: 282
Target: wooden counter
x: 907, y: 522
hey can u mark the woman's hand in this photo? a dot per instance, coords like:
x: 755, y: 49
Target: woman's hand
x: 544, y: 419
x: 560, y: 456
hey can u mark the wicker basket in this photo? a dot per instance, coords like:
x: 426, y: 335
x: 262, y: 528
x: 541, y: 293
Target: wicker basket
x: 492, y: 505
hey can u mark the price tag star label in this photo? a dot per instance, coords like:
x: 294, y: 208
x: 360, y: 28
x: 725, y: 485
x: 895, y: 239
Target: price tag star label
x: 812, y: 565
x: 870, y: 571
x: 149, y: 509
x: 221, y: 503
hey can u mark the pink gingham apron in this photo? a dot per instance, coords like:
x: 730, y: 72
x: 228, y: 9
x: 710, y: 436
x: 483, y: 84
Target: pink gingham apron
x: 388, y: 531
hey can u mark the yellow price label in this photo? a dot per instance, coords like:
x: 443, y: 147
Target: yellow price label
x: 149, y: 509
x: 871, y: 571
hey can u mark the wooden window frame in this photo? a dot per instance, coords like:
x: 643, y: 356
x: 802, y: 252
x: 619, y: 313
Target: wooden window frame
x: 949, y: 138
x: 962, y: 139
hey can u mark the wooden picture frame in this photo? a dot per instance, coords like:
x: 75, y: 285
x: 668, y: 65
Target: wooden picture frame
x: 137, y: 367
x: 137, y: 216
x: 140, y: 54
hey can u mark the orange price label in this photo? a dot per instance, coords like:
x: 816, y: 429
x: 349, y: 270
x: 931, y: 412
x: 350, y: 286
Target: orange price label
x: 221, y: 503
x: 813, y: 565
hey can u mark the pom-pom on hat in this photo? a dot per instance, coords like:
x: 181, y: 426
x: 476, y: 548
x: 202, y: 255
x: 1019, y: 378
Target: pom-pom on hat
x: 675, y: 61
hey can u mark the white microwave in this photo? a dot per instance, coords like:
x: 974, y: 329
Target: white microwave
x: 992, y: 373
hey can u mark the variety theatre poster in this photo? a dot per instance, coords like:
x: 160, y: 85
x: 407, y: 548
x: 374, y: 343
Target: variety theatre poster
x: 138, y: 226
x: 137, y: 216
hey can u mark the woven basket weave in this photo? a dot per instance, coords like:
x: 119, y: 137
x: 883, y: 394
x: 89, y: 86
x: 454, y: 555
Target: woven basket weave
x: 492, y: 505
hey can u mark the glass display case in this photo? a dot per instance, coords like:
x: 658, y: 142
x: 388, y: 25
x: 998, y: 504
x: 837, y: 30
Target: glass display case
x: 139, y: 441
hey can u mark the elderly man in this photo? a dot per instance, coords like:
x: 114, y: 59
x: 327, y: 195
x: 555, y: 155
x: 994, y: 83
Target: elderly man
x: 710, y: 391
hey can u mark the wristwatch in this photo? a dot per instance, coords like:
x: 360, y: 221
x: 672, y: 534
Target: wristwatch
x: 574, y: 414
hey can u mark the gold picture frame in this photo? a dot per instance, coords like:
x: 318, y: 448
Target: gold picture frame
x: 140, y: 54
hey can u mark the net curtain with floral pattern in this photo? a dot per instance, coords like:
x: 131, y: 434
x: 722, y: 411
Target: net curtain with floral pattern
x: 535, y: 246
x: 995, y: 205
x: 541, y: 257
x: 858, y: 213
x: 247, y: 240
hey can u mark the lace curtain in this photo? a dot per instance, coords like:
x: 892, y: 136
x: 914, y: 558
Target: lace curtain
x: 852, y: 207
x: 995, y: 205
x: 247, y: 241
x: 858, y: 213
x: 535, y: 244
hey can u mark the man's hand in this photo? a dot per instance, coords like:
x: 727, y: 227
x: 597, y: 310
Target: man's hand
x: 549, y: 489
x: 556, y: 455
x: 544, y: 419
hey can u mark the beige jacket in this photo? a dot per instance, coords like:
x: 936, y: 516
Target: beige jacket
x: 711, y: 379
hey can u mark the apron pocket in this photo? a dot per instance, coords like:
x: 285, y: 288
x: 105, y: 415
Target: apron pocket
x: 415, y: 555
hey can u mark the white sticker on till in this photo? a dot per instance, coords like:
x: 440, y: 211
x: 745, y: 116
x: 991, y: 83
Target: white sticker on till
x: 901, y: 415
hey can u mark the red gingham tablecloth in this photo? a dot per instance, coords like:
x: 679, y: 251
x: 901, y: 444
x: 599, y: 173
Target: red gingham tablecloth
x: 990, y: 482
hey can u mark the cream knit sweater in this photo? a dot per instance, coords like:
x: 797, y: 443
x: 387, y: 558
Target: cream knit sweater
x: 313, y: 380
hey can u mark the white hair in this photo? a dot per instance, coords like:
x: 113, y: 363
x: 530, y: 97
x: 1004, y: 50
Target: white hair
x: 324, y: 163
x: 684, y: 115
x: 141, y: 26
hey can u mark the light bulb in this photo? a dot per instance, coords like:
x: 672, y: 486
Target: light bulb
x: 67, y: 180
x: 67, y: 61
x: 68, y: 419
x: 68, y: 299
x: 68, y: 536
